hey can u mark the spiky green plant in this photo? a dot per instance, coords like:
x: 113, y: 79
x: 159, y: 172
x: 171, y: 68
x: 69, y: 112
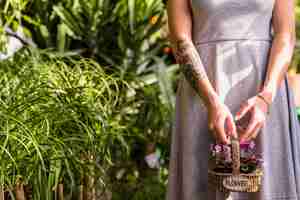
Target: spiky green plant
x: 58, y: 111
x: 54, y: 111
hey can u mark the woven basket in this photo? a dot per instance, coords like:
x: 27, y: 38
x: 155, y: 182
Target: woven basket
x: 235, y: 181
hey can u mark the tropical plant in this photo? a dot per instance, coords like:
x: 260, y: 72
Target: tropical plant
x: 120, y: 33
x: 125, y: 34
x: 55, y: 114
x: 64, y: 119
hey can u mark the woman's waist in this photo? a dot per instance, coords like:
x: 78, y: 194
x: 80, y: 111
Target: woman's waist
x: 218, y: 31
x: 217, y: 40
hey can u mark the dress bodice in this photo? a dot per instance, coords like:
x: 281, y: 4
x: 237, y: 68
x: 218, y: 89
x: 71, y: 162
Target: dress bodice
x: 231, y: 19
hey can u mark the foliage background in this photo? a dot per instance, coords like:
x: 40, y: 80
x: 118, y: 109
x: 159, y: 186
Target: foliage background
x: 90, y: 94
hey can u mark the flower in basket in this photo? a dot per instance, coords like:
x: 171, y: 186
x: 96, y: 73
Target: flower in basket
x: 247, y: 149
x: 222, y: 155
x: 259, y: 162
x: 219, y: 153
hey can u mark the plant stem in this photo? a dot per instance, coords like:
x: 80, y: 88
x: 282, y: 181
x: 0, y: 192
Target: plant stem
x: 1, y: 193
x: 81, y: 192
x: 91, y: 191
x: 60, y: 191
x: 20, y: 194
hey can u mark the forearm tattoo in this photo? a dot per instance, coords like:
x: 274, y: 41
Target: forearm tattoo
x: 190, y: 63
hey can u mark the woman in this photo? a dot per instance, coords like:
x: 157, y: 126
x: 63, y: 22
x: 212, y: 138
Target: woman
x: 233, y: 55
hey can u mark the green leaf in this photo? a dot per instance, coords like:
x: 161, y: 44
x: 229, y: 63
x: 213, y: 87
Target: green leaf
x: 131, y: 10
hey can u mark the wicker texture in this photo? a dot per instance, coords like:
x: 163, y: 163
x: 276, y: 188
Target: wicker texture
x: 235, y: 181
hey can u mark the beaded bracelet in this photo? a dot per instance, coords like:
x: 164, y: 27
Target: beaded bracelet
x: 263, y: 98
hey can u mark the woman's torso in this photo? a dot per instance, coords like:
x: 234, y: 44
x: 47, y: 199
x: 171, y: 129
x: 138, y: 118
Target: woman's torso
x: 231, y: 19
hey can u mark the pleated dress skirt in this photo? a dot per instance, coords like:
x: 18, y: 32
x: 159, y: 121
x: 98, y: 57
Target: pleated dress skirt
x: 236, y: 69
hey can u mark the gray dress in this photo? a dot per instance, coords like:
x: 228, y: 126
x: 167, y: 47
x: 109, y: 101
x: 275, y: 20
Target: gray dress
x: 233, y: 38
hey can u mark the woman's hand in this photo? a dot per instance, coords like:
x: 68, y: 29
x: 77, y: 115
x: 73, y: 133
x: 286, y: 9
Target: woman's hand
x: 221, y: 122
x: 257, y: 108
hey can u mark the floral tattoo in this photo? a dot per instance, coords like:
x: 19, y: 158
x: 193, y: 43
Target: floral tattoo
x: 190, y: 63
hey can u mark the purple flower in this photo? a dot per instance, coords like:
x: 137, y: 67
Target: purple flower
x: 226, y: 148
x: 218, y: 148
x: 244, y: 145
x: 259, y: 162
x: 252, y: 145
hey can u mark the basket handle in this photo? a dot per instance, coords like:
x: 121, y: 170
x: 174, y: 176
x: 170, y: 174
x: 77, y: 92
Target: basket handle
x: 235, y: 155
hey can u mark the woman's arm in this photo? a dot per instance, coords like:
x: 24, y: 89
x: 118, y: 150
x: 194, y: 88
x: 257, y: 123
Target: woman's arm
x: 280, y: 57
x: 282, y: 47
x: 180, y: 27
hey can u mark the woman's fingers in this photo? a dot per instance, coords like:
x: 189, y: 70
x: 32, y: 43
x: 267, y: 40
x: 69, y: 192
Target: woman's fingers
x: 220, y: 128
x: 211, y: 126
x: 257, y: 118
x: 255, y: 132
x: 221, y: 123
x: 212, y: 130
x: 231, y: 126
x: 253, y: 122
x: 245, y: 107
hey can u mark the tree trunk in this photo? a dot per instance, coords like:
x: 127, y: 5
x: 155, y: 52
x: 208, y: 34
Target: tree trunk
x: 28, y: 192
x: 1, y: 193
x: 88, y: 187
x: 60, y: 191
x: 81, y: 192
x: 20, y: 194
x: 91, y: 186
